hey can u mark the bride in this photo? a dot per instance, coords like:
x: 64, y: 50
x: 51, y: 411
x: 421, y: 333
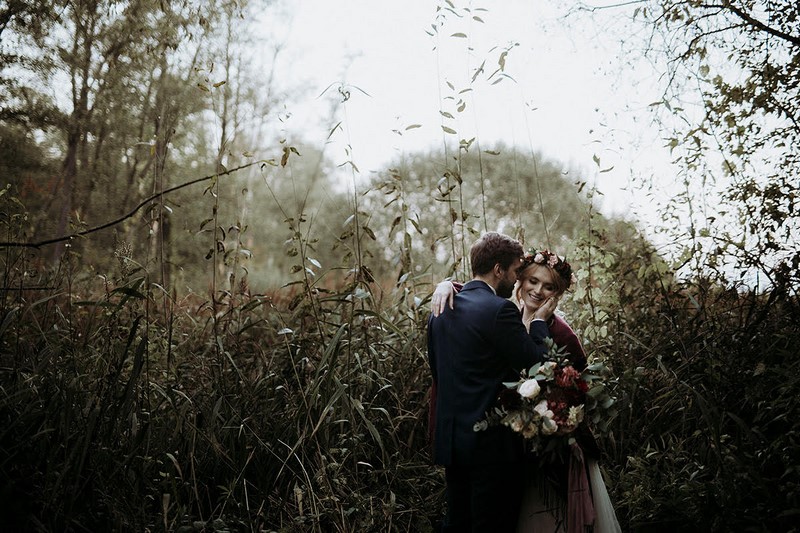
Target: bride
x: 567, y: 496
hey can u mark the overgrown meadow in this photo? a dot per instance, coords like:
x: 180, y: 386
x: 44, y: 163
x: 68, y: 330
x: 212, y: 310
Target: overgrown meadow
x: 129, y: 407
x: 210, y: 323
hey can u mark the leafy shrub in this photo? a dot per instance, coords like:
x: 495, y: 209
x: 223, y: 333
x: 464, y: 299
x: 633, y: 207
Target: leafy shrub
x: 706, y: 431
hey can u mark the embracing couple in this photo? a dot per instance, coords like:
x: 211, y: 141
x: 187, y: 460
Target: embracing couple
x: 475, y: 344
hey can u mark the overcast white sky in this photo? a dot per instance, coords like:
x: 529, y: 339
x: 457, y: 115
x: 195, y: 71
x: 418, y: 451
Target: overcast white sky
x: 570, y: 98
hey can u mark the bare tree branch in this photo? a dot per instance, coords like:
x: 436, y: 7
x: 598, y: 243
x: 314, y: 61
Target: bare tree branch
x: 756, y: 23
x: 611, y: 6
x: 128, y: 215
x: 702, y: 35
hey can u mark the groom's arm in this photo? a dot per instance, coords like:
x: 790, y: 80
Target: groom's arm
x: 522, y: 350
x: 538, y: 331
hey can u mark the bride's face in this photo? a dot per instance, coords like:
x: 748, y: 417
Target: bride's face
x: 535, y: 286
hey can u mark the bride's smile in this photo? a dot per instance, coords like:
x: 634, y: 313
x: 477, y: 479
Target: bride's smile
x: 536, y: 286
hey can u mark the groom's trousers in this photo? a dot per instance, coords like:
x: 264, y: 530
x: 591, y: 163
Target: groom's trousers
x: 483, y: 498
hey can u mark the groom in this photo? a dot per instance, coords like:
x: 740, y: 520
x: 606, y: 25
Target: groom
x: 473, y: 348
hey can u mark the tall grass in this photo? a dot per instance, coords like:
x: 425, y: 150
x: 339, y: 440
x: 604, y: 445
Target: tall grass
x: 124, y: 408
x: 311, y: 417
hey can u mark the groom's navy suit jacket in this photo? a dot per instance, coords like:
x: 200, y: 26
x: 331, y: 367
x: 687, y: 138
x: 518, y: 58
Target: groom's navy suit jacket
x: 472, y: 349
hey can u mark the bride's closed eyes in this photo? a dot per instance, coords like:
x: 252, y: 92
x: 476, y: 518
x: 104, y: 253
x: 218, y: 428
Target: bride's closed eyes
x: 545, y: 286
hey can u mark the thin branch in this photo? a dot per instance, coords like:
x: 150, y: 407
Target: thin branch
x: 611, y: 6
x: 757, y: 23
x: 116, y: 221
x: 702, y: 35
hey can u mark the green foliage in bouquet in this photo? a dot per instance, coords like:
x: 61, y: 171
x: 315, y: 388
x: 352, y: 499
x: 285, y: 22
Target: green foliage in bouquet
x: 552, y: 400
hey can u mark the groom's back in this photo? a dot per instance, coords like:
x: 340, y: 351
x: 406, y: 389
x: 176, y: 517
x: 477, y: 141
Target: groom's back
x: 465, y: 346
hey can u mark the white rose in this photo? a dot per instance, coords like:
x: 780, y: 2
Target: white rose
x: 542, y: 409
x: 529, y: 388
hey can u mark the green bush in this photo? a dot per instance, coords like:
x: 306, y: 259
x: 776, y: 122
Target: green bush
x: 706, y: 375
x: 123, y: 407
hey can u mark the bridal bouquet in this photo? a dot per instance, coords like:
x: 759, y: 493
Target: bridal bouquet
x: 551, y: 400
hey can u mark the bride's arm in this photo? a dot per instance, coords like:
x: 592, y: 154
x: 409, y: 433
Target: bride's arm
x: 445, y: 290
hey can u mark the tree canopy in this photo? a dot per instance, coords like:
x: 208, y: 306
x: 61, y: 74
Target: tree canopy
x: 432, y: 208
x: 730, y: 113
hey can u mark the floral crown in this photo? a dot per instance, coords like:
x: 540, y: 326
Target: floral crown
x: 547, y: 258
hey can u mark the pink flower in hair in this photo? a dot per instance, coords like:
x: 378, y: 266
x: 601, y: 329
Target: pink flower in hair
x: 545, y: 257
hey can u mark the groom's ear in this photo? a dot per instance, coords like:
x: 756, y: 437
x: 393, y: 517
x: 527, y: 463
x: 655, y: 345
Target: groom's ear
x: 498, y: 270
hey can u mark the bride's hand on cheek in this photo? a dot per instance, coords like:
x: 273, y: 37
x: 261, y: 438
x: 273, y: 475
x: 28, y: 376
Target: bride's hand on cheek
x: 547, y: 309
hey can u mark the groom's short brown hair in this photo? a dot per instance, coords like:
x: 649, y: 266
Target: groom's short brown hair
x: 493, y: 248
